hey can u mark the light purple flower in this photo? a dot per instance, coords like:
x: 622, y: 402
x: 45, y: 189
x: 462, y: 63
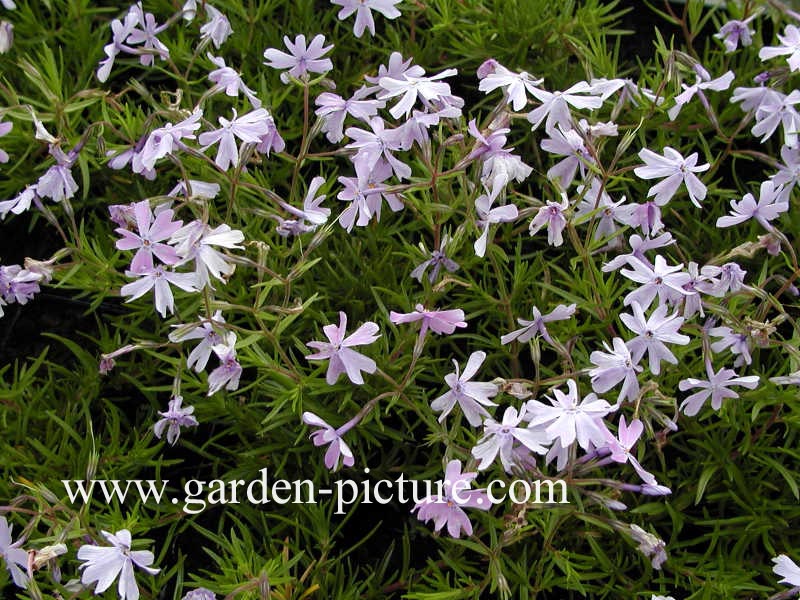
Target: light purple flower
x: 147, y: 36
x: 500, y: 438
x: 333, y: 109
x: 676, y: 170
x: 326, y: 434
x: 501, y: 167
x: 149, y: 241
x: 791, y: 379
x: 646, y: 216
x: 770, y: 206
x: 615, y: 366
x: 552, y: 216
x: 427, y: 89
x: 777, y: 109
x: 621, y: 445
x: 649, y: 545
x: 13, y: 554
x: 790, y: 45
x: 607, y: 213
x: 199, y: 593
x: 366, y: 194
x: 716, y: 387
x: 488, y: 216
x: 175, y: 418
x: 569, y: 418
x: 661, y: 280
x: 555, y: 105
x: 338, y: 350
x: 639, y: 245
x: 164, y: 140
x: 208, y: 332
x: 104, y: 563
x: 199, y: 189
x: 514, y: 85
x: 721, y: 280
x: 437, y: 260
x: 531, y: 329
x: 120, y: 30
x: 226, y: 78
x: 471, y: 396
x: 739, y: 344
x: 653, y: 333
x: 397, y: 68
x: 272, y: 140
x: 21, y: 203
x: 249, y: 128
x: 57, y: 182
x: 377, y: 145
x: 735, y: 31
x: 703, y: 82
x: 217, y: 28
x: 363, y: 10
x: 302, y: 59
x: 571, y: 145
x: 443, y: 322
x: 446, y: 509
x: 788, y: 569
x: 311, y: 212
x: 17, y: 284
x: 4, y: 129
x: 195, y: 241
x: 159, y: 280
x: 788, y: 175
x: 6, y: 37
x: 229, y: 371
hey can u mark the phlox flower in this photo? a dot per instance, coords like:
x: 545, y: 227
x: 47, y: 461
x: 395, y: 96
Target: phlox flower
x: 57, y: 182
x: 501, y: 167
x: 272, y: 140
x: 676, y: 170
x: 653, y: 333
x: 651, y: 546
x: 788, y: 569
x: 568, y: 418
x: 514, y: 85
x: 377, y: 145
x: 777, y: 109
x: 703, y: 82
x: 790, y: 45
x: 13, y: 554
x: 499, y: 438
x: 660, y: 280
x: 621, y: 445
x: 147, y: 36
x: 333, y: 109
x: 771, y: 204
x: 120, y: 30
x: 646, y: 216
x: 6, y: 38
x: 739, y: 344
x: 164, y: 140
x: 607, y: 213
x: 788, y: 175
x: 158, y: 279
x: 18, y: 284
x: 716, y: 387
x: 552, y: 216
x: 614, y: 366
x: 199, y: 189
x: 488, y: 216
x: 227, y: 79
x: 471, y: 396
x: 312, y: 212
x: 217, y: 28
x: 338, y: 350
x: 249, y: 128
x: 571, y: 145
x: 735, y: 31
x: 4, y: 129
x: 173, y: 419
x: 149, y: 241
x: 363, y: 10
x: 426, y: 89
x: 639, y: 245
x: 208, y: 332
x: 102, y: 564
x: 396, y: 68
x: 366, y: 192
x: 326, y: 434
x: 721, y: 280
x: 486, y: 144
x: 446, y: 508
x: 791, y: 379
x: 537, y: 326
x: 555, y: 105
x: 302, y: 60
x: 437, y: 260
x: 229, y: 371
x: 443, y: 322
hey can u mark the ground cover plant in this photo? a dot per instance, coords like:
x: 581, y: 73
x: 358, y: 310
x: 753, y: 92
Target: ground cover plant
x: 267, y: 267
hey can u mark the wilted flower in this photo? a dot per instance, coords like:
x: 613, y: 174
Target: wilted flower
x: 227, y: 79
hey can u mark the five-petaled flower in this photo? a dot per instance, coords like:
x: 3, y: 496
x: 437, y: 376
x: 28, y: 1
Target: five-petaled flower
x: 104, y: 563
x: 338, y: 350
x: 302, y: 60
x: 676, y: 170
x: 471, y: 396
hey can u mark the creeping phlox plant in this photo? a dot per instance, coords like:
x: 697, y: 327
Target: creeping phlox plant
x: 416, y: 251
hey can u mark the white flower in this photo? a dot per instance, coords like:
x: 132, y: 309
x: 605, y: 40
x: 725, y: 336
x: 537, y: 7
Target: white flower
x: 677, y: 170
x: 104, y: 563
x: 14, y: 556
